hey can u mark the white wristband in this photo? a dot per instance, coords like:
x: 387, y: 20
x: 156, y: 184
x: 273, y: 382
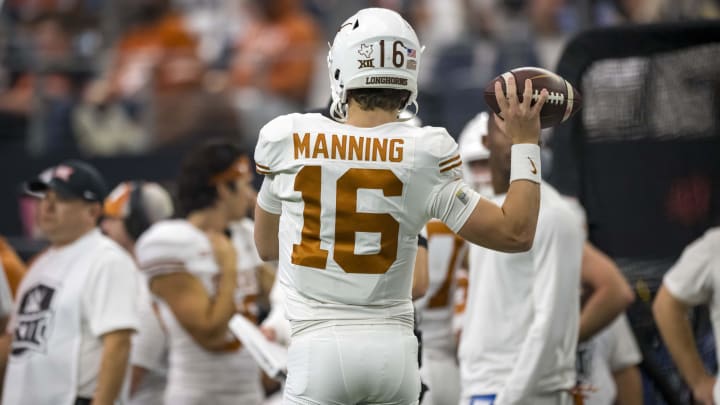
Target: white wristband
x: 525, y: 162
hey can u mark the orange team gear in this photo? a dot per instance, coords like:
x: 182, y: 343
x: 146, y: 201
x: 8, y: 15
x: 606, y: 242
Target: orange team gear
x: 12, y: 264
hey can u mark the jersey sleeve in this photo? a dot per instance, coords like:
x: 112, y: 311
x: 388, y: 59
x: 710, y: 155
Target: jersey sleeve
x: 110, y: 295
x: 451, y: 199
x: 273, y: 145
x: 690, y: 279
x: 267, y: 199
x: 161, y: 250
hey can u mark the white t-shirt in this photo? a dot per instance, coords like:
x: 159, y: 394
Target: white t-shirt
x: 523, y: 309
x: 695, y: 280
x: 353, y: 201
x: 176, y: 245
x: 610, y: 351
x: 149, y: 351
x: 436, y: 308
x: 108, y: 302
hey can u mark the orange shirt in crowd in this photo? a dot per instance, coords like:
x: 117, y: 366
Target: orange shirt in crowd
x: 165, y: 52
x: 12, y: 264
x: 278, y: 55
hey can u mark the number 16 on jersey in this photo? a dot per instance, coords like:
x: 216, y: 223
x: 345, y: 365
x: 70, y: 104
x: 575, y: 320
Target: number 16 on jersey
x: 347, y: 220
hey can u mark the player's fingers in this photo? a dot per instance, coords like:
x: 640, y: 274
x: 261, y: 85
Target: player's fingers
x: 542, y: 98
x: 511, y: 90
x: 499, y: 122
x: 527, y: 95
x: 500, y: 97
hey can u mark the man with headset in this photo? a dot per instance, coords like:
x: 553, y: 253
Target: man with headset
x: 130, y: 209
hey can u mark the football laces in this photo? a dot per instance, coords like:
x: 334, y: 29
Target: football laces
x: 554, y: 97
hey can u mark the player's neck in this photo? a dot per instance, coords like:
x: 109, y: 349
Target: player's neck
x: 367, y: 119
x: 62, y: 240
x: 208, y: 219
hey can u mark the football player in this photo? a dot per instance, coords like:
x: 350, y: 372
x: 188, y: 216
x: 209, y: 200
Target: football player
x: 342, y: 203
x: 193, y: 269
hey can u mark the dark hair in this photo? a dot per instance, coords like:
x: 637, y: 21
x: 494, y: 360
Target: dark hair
x: 384, y: 99
x: 195, y: 188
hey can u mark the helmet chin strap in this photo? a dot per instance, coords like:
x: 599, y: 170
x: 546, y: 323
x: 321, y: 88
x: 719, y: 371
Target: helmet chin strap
x: 412, y: 113
x: 338, y: 110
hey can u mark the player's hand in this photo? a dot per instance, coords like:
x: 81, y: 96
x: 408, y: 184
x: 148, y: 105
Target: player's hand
x: 269, y: 333
x: 224, y: 253
x: 703, y: 390
x: 522, y: 121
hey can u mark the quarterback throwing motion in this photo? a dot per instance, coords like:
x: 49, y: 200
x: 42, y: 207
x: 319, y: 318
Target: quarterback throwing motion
x: 342, y: 203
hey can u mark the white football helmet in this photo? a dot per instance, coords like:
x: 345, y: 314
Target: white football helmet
x: 375, y: 48
x: 472, y: 150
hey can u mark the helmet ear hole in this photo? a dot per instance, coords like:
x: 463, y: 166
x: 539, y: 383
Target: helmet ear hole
x: 337, y: 74
x: 357, y: 24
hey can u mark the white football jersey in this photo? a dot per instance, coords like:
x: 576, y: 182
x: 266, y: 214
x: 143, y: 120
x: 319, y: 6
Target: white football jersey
x: 446, y: 252
x: 352, y: 202
x: 176, y: 245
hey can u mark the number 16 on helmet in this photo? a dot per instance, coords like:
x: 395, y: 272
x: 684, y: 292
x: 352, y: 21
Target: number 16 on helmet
x: 375, y: 48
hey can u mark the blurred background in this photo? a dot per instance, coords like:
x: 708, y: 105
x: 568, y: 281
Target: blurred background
x: 131, y: 85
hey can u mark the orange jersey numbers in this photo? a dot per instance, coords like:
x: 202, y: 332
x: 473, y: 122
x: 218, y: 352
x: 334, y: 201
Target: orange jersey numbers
x: 347, y: 221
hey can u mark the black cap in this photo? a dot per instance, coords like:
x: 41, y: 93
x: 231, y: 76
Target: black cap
x: 71, y: 179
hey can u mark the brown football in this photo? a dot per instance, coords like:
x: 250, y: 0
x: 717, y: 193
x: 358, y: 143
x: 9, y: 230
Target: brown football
x: 563, y: 102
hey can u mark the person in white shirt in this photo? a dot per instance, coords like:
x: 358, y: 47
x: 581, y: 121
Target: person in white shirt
x: 130, y: 209
x: 607, y: 366
x: 343, y: 201
x: 607, y: 355
x: 445, y: 254
x: 518, y: 342
x: 76, y: 308
x: 694, y: 280
x: 193, y: 269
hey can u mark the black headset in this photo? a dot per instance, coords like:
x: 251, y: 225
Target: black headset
x: 136, y: 222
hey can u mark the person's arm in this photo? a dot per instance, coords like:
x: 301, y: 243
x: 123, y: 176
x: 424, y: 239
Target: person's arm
x: 113, y: 365
x: 267, y: 226
x: 671, y: 317
x: 629, y: 386
x: 204, y: 317
x: 610, y: 293
x: 556, y: 260
x: 268, y: 208
x: 511, y: 228
x: 421, y: 277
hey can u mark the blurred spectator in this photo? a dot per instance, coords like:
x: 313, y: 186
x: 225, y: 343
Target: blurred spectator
x: 152, y: 74
x: 551, y: 30
x: 273, y: 64
x: 129, y: 211
x: 462, y: 70
x: 45, y: 87
x: 216, y: 24
x: 75, y: 311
